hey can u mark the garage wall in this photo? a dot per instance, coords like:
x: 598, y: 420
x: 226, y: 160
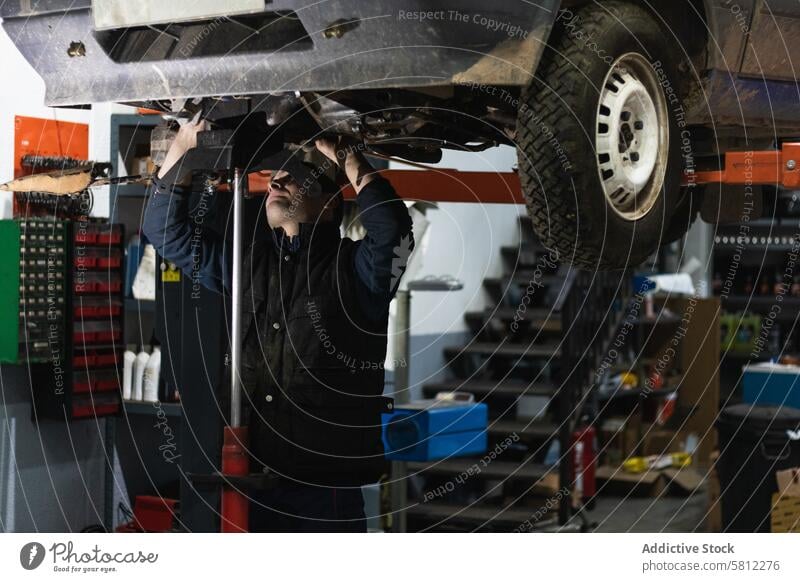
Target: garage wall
x: 50, y: 477
x: 464, y: 241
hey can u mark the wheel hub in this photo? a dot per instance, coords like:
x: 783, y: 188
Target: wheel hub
x: 632, y: 137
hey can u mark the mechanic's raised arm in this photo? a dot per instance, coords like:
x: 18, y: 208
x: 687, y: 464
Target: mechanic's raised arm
x: 198, y: 252
x: 381, y: 257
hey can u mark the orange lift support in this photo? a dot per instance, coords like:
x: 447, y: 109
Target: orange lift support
x: 779, y: 167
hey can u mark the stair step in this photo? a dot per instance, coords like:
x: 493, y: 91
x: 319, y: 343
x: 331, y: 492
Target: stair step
x: 544, y: 319
x: 526, y: 254
x: 524, y: 277
x: 509, y: 388
x: 478, y: 517
x: 509, y: 350
x: 493, y: 470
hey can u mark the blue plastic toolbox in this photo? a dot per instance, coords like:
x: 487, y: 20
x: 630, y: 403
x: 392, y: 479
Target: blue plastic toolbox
x: 773, y: 384
x: 427, y: 430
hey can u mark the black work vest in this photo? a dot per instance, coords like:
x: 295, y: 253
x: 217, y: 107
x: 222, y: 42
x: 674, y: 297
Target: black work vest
x: 312, y: 363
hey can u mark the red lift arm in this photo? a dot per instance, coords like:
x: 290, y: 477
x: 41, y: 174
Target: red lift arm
x: 435, y: 185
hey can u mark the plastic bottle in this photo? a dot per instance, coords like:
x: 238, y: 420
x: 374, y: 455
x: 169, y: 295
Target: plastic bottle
x: 138, y: 374
x: 144, y: 284
x: 129, y: 358
x: 152, y: 371
x: 134, y: 254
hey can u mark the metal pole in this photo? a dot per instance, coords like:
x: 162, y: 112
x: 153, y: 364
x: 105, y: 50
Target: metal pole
x: 236, y: 301
x: 235, y: 462
x: 402, y: 349
x: 398, y: 491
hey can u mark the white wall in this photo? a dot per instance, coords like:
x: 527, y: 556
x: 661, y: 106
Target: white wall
x: 464, y: 241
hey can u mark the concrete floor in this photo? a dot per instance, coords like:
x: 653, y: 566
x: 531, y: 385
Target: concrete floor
x: 651, y: 514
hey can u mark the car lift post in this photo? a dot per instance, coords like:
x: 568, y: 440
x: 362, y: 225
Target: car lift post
x: 234, y: 503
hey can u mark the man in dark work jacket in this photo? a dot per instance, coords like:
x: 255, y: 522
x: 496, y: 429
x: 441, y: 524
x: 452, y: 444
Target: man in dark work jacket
x: 315, y: 316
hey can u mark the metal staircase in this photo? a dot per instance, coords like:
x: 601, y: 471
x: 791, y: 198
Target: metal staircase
x: 547, y: 330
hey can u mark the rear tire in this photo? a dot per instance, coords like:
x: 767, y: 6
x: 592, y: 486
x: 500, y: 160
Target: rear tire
x: 598, y: 143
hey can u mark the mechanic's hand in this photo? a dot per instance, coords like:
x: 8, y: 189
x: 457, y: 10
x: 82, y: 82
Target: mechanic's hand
x: 328, y: 148
x: 346, y: 154
x: 185, y: 140
x: 187, y: 134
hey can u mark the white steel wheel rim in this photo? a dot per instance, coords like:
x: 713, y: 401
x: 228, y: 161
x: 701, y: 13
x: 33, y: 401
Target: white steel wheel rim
x: 632, y: 137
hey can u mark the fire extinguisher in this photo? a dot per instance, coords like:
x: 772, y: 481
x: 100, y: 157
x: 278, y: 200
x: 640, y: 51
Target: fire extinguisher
x: 584, y: 464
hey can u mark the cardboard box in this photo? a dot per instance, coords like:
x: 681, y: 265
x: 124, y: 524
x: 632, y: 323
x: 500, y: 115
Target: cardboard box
x: 620, y: 439
x: 141, y: 162
x: 141, y: 166
x: 659, y: 441
x: 699, y: 360
x: 615, y: 481
x: 785, y: 515
x: 683, y: 480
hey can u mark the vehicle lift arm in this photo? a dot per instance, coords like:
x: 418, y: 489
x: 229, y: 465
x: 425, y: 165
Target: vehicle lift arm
x: 780, y: 167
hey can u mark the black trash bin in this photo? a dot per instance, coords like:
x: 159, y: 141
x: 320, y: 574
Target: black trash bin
x: 754, y: 443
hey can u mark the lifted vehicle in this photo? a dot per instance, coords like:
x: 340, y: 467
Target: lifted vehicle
x: 612, y: 105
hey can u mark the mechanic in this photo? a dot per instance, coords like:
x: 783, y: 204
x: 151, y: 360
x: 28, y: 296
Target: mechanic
x: 314, y: 323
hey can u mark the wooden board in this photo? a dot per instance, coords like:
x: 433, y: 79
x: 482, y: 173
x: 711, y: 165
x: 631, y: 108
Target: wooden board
x: 698, y: 357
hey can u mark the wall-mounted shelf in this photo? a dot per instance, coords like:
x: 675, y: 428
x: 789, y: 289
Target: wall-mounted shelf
x: 143, y: 305
x: 172, y: 409
x: 129, y: 133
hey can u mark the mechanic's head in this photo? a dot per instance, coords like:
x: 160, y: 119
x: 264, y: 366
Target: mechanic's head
x: 306, y: 195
